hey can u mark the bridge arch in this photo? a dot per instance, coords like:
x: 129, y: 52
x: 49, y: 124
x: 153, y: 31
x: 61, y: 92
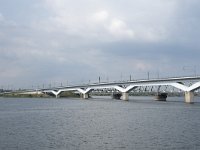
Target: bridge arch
x: 126, y: 87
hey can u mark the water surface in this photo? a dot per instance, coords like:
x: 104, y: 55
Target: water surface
x: 99, y: 123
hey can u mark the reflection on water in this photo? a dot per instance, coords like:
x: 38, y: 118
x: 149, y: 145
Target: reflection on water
x: 99, y: 123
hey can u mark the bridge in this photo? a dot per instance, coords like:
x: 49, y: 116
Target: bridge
x: 125, y: 87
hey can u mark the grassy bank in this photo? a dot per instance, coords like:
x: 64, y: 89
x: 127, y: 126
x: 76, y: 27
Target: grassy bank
x: 40, y: 95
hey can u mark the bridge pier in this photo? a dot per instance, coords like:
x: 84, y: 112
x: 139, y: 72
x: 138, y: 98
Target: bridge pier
x: 85, y: 96
x: 189, y: 97
x: 125, y: 96
x: 57, y: 95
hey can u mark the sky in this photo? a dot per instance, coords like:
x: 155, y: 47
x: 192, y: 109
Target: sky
x: 47, y: 43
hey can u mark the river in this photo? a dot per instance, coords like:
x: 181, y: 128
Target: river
x: 99, y: 123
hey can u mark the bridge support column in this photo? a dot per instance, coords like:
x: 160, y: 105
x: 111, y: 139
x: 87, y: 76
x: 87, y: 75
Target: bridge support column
x: 189, y: 97
x: 125, y: 96
x: 85, y: 96
x: 57, y: 95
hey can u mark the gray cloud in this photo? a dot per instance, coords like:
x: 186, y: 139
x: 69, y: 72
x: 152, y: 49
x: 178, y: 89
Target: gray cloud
x: 49, y: 42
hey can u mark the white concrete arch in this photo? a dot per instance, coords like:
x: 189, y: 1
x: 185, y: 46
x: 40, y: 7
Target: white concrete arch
x: 130, y: 85
x: 194, y: 87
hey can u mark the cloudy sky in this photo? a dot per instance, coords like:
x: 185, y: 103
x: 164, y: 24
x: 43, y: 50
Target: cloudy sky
x: 45, y: 42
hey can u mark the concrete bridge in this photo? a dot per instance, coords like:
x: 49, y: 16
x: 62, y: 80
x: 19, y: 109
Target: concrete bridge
x: 126, y: 87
